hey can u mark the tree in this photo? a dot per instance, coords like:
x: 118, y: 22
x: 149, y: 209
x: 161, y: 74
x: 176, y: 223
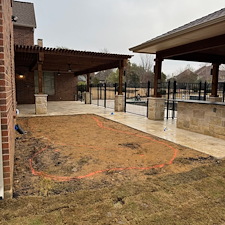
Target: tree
x: 147, y: 63
x: 113, y: 77
x: 133, y: 74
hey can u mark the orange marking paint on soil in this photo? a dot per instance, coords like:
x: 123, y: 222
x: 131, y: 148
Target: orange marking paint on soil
x: 100, y: 124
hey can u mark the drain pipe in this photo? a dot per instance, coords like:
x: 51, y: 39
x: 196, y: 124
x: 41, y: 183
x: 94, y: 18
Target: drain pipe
x: 1, y: 167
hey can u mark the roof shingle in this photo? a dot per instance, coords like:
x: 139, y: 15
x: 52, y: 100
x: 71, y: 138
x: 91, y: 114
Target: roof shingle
x: 205, y: 19
x: 25, y: 13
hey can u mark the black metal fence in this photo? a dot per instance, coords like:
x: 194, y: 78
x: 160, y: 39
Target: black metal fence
x: 136, y: 95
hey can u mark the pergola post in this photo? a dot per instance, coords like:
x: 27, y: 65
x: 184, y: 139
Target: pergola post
x: 157, y: 76
x: 40, y: 98
x: 156, y: 103
x: 121, y: 73
x: 214, y: 97
x: 40, y: 77
x: 119, y: 99
x: 87, y: 94
x: 88, y: 82
x: 215, y: 75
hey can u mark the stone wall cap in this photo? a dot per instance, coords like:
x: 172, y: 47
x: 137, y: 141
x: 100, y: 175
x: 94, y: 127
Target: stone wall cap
x: 200, y: 102
x: 41, y: 95
x: 157, y: 98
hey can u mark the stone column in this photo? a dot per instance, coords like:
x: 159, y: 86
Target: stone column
x: 40, y: 103
x: 87, y: 98
x: 156, y: 108
x: 119, y: 103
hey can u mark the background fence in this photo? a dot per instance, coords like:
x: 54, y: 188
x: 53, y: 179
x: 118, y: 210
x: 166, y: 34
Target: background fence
x: 136, y: 95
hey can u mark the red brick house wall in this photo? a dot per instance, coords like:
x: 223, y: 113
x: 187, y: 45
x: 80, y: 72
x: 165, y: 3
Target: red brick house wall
x: 7, y: 93
x: 64, y: 85
x: 25, y: 89
x: 64, y: 88
x: 23, y: 35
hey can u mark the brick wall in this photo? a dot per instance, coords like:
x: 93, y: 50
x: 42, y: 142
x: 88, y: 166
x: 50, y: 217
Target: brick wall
x: 23, y: 35
x: 65, y: 88
x: 7, y: 93
x: 25, y: 89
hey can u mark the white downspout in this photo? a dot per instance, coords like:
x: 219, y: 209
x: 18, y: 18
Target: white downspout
x: 1, y: 167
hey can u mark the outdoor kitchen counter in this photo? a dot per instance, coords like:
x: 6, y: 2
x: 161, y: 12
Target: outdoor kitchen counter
x: 203, y: 117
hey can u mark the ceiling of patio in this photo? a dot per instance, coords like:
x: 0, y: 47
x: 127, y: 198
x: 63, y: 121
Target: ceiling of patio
x: 62, y: 60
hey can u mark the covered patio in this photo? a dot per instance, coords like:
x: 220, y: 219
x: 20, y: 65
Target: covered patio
x: 202, y: 40
x: 50, y: 73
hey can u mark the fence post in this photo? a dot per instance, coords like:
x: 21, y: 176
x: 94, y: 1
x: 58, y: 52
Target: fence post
x: 90, y: 92
x: 125, y: 98
x: 223, y: 91
x: 199, y: 92
x: 148, y: 95
x: 205, y: 90
x: 174, y: 97
x: 148, y: 91
x: 98, y: 95
x: 105, y: 95
x: 100, y: 89
x: 168, y: 100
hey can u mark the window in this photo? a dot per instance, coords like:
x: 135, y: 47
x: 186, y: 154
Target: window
x: 48, y: 83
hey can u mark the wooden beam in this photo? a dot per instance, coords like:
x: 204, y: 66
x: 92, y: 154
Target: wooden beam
x: 157, y: 76
x: 88, y: 82
x: 215, y: 74
x: 97, y: 68
x: 197, y: 46
x: 201, y: 57
x: 40, y: 72
x: 40, y: 78
x: 121, y: 68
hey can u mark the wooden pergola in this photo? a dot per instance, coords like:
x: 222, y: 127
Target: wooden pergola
x: 38, y: 58
x: 202, y: 40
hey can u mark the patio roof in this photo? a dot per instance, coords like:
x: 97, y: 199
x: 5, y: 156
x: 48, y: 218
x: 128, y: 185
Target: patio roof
x: 24, y: 11
x: 202, y: 40
x: 61, y: 60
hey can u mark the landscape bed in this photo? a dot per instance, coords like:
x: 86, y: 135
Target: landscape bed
x: 85, y: 169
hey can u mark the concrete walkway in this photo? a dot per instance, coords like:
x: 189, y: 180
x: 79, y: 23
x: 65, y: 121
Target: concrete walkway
x: 164, y: 129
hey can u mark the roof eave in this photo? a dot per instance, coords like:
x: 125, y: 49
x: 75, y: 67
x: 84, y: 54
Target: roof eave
x: 140, y: 48
x: 23, y: 25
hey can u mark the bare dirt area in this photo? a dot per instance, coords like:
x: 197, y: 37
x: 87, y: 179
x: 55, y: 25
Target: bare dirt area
x: 85, y: 169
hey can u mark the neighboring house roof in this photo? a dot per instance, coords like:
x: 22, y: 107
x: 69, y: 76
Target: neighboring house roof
x: 204, y: 73
x: 25, y: 13
x: 206, y: 27
x: 186, y: 76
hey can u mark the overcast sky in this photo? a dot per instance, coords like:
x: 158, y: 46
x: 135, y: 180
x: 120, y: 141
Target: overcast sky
x: 116, y: 25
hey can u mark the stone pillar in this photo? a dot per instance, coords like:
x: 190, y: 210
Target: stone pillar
x: 156, y: 108
x: 87, y: 98
x: 119, y: 103
x: 40, y: 103
x: 215, y: 99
